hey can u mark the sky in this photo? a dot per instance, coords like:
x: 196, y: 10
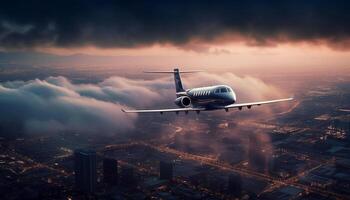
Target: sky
x: 260, y: 35
x: 221, y: 37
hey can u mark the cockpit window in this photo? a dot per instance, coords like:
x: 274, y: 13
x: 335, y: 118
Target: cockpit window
x: 229, y: 89
x: 223, y: 90
x: 217, y: 90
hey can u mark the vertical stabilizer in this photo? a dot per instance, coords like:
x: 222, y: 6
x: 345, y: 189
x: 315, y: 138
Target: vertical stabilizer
x: 177, y: 78
x: 178, y: 82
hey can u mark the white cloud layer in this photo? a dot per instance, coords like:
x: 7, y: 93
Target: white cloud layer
x: 57, y: 104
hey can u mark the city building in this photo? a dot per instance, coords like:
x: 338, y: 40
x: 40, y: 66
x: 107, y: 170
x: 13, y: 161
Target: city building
x: 110, y: 171
x: 255, y: 159
x: 234, y: 184
x: 165, y: 170
x: 85, y: 170
x: 127, y: 176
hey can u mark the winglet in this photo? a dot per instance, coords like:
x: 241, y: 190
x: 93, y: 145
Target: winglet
x: 290, y: 98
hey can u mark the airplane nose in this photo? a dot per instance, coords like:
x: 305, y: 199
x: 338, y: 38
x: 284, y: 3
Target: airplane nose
x: 233, y: 97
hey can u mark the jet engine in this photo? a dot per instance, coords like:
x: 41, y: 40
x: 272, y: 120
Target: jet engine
x: 183, y: 101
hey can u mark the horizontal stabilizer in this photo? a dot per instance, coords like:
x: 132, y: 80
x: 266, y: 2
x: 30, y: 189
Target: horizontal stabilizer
x: 171, y: 72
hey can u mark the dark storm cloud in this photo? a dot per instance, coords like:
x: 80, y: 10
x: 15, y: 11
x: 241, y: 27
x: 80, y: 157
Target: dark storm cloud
x: 106, y: 23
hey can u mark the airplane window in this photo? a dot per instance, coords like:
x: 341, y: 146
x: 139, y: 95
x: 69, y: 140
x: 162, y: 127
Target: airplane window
x: 223, y: 90
x: 229, y: 89
x: 217, y: 90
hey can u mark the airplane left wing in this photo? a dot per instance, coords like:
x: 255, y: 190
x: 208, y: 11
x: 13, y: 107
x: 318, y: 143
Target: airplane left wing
x: 161, y: 111
x: 249, y: 105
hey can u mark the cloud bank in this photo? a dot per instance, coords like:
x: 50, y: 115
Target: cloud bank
x: 56, y: 104
x: 129, y: 24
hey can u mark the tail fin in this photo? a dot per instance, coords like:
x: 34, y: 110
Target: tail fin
x: 177, y: 78
x: 178, y: 82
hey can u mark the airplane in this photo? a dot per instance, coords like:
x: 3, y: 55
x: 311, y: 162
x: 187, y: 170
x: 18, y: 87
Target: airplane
x: 217, y: 97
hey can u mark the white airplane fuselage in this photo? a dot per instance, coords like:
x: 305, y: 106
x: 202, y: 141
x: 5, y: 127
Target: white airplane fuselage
x: 212, y: 97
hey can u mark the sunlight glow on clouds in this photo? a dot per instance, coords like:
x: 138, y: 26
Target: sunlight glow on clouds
x: 56, y: 104
x: 282, y: 57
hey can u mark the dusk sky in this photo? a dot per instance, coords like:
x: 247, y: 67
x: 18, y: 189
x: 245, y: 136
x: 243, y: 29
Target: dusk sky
x: 283, y: 35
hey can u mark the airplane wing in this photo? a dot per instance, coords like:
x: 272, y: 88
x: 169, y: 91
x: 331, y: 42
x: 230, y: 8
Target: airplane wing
x: 249, y: 105
x: 186, y: 110
x: 161, y: 111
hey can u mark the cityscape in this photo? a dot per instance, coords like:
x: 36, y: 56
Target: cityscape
x: 299, y: 153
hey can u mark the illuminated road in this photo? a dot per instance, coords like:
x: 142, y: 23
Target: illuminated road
x: 177, y: 180
x: 275, y: 182
x: 31, y: 164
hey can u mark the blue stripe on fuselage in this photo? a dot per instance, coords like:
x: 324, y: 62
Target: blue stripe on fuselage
x: 206, y: 97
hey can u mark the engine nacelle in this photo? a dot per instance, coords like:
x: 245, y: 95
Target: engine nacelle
x: 183, y: 101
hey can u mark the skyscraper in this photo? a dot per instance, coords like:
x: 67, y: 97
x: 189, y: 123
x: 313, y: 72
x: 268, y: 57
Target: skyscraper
x: 165, y: 170
x: 85, y: 170
x: 110, y: 171
x: 127, y: 176
x: 234, y: 185
x: 256, y: 157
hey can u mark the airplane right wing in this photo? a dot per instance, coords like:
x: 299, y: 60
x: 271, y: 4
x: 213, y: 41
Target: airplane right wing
x: 258, y: 103
x: 161, y: 111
